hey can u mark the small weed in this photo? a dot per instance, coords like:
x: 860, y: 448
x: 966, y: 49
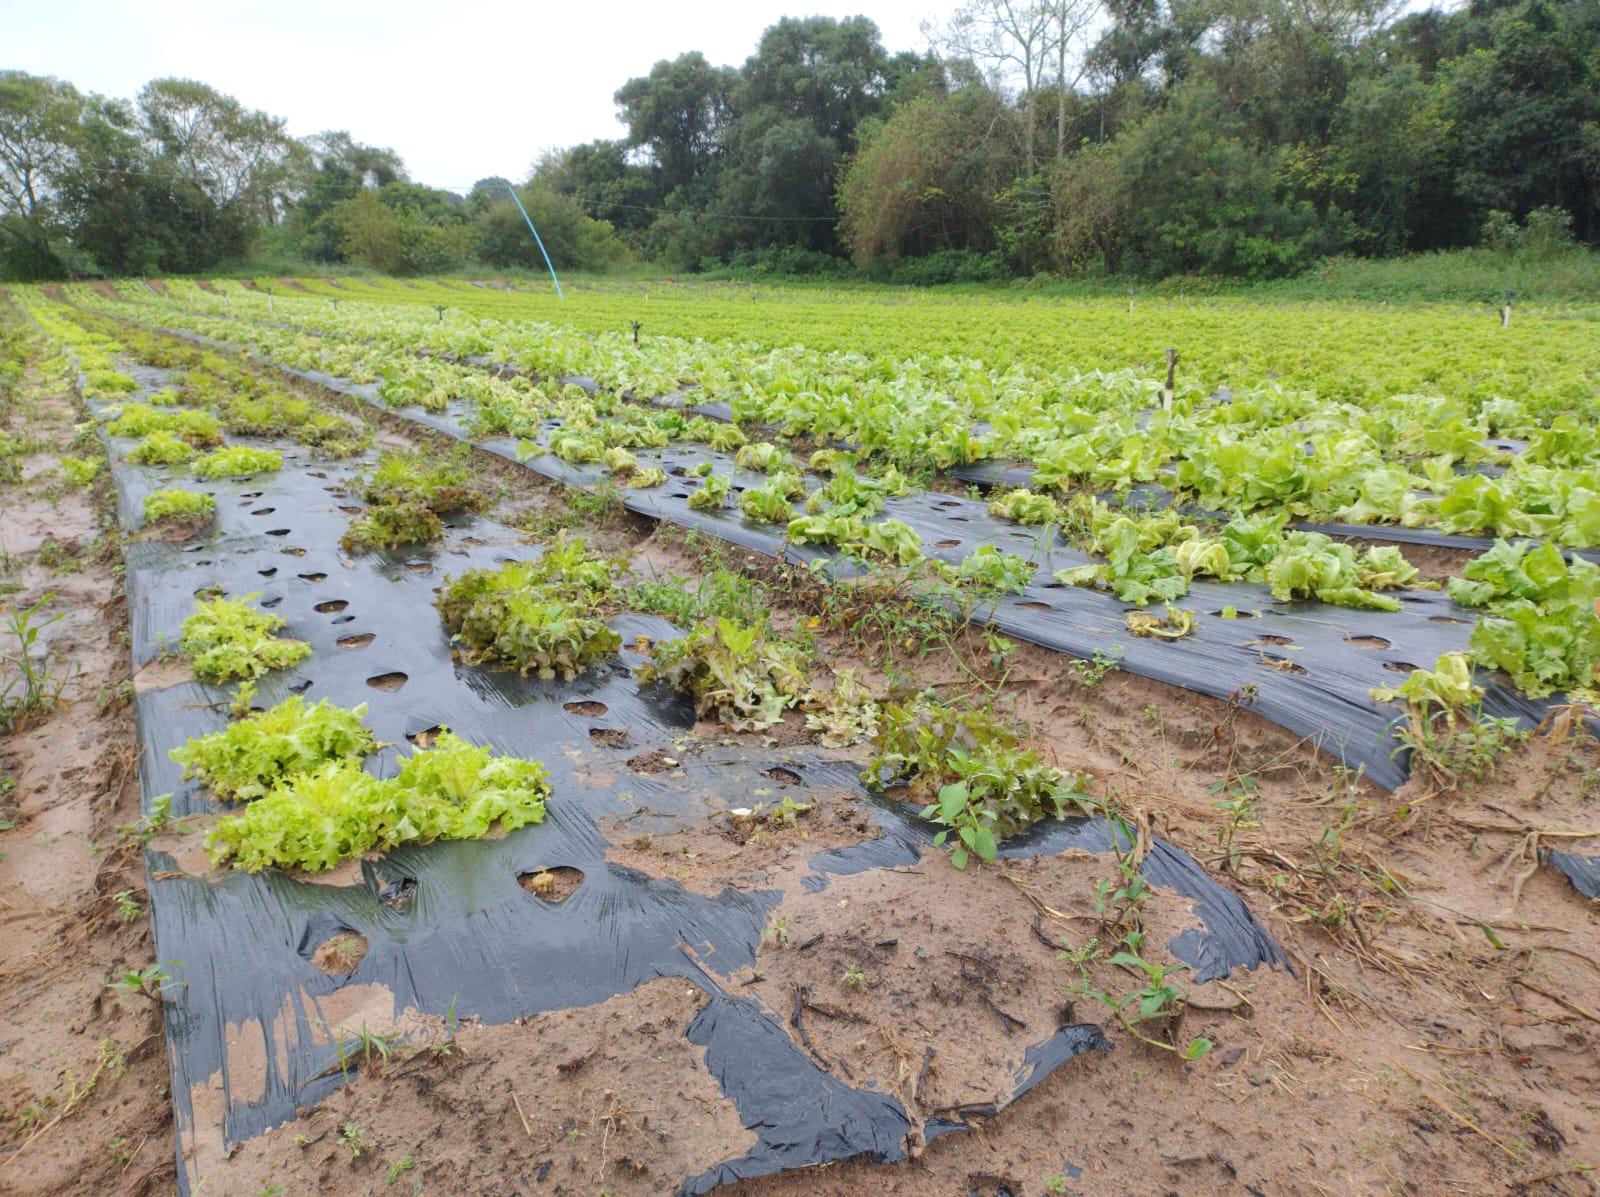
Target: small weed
x: 30, y: 685
x: 1092, y: 672
x: 157, y: 821
x: 778, y: 932
x: 719, y: 594
x: 366, y: 1046
x: 853, y: 977
x: 599, y: 507
x: 355, y: 1138
x: 1450, y: 749
x: 149, y: 981
x: 127, y: 907
x: 402, y: 1165
x: 1239, y: 808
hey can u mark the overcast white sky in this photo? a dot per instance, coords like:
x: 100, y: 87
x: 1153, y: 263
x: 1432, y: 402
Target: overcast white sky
x: 461, y: 88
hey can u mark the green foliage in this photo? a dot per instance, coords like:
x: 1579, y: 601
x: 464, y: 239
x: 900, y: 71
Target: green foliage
x: 149, y: 982
x: 177, y: 504
x: 252, y: 756
x: 197, y: 428
x: 226, y: 640
x: 766, y: 504
x: 718, y: 593
x: 534, y: 616
x: 161, y: 448
x: 988, y: 569
x: 80, y: 471
x: 1540, y: 621
x: 887, y: 540
x: 1025, y: 507
x: 314, y: 819
x: 713, y: 493
x: 1448, y: 685
x: 1154, y: 557
x: 645, y: 478
x: 973, y: 772
x: 390, y: 525
x: 30, y: 684
x: 1450, y: 748
x: 407, y: 496
x: 763, y: 456
x: 402, y: 477
x: 238, y: 461
x: 734, y: 671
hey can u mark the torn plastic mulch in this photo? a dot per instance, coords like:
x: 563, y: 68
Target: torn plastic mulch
x: 448, y: 926
x: 1582, y: 871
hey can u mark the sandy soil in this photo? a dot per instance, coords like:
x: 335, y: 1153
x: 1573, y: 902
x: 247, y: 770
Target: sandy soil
x: 82, y: 1070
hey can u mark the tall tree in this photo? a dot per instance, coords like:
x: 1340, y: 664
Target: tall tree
x: 678, y: 112
x: 39, y: 135
x: 1071, y: 22
x: 1010, y: 40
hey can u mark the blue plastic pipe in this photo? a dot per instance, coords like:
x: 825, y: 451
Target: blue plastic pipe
x: 539, y: 241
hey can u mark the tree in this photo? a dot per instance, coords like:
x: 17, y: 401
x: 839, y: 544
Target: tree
x: 328, y: 169
x: 1209, y: 201
x: 573, y: 239
x: 1525, y: 112
x: 926, y: 178
x: 678, y: 113
x: 1070, y: 23
x: 606, y: 184
x: 39, y: 135
x: 237, y: 156
x: 1007, y: 39
x: 830, y: 74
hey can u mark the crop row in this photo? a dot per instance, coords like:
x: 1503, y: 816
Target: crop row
x: 1423, y: 462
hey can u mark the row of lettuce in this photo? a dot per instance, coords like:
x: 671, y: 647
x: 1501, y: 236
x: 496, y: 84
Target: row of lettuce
x: 1414, y: 460
x: 1538, y: 624
x: 297, y: 769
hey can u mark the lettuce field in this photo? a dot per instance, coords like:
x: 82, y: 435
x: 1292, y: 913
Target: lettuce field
x: 817, y: 740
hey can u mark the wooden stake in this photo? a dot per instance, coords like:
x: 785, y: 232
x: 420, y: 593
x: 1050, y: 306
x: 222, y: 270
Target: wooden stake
x: 1172, y: 371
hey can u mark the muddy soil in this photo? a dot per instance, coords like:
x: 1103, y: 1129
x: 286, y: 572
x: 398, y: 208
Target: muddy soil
x: 83, y: 1072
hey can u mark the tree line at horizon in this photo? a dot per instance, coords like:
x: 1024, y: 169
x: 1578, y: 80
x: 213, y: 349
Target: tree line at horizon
x: 1247, y: 138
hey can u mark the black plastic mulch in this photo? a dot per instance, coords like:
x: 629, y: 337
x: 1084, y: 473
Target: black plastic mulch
x: 449, y: 928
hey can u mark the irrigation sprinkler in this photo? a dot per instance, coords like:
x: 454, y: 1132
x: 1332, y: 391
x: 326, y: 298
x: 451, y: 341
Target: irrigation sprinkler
x: 637, y: 325
x: 1172, y: 371
x: 439, y: 307
x: 1505, y: 311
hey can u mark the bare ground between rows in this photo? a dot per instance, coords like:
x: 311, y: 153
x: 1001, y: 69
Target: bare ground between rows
x: 82, y: 1071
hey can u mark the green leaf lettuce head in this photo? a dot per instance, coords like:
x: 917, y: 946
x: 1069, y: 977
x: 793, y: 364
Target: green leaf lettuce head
x: 227, y: 640
x: 1540, y: 622
x: 733, y: 671
x: 238, y: 461
x: 248, y: 758
x: 314, y: 820
x: 174, y: 503
x: 1448, y: 685
x: 534, y: 616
